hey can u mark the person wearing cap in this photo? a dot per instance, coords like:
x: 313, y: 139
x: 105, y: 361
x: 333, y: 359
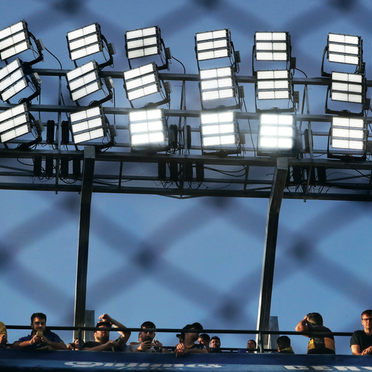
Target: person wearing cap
x: 319, y: 344
x: 187, y: 341
x: 101, y: 337
x: 147, y: 342
x: 40, y: 338
x: 3, y: 335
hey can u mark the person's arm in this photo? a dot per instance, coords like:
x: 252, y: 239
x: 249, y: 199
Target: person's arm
x: 60, y: 345
x: 302, y: 325
x: 367, y: 351
x: 355, y: 350
x: 108, y: 346
x: 26, y: 343
x: 124, y: 334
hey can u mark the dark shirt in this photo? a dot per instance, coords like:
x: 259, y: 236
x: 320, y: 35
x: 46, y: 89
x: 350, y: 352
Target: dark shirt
x: 215, y: 350
x: 51, y: 336
x: 90, y: 344
x: 362, y: 339
x: 321, y: 344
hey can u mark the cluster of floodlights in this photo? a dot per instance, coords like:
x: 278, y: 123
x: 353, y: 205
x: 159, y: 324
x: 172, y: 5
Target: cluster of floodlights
x: 17, y: 78
x: 348, y: 130
x: 218, y: 63
x: 277, y: 130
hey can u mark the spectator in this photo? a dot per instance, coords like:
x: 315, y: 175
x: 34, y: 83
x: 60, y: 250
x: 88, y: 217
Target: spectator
x: 40, y: 338
x: 147, y: 342
x: 283, y: 345
x: 215, y: 345
x: 204, y: 339
x: 3, y: 335
x: 251, y: 346
x: 187, y: 341
x: 361, y: 341
x: 312, y: 323
x: 101, y: 337
x: 74, y: 345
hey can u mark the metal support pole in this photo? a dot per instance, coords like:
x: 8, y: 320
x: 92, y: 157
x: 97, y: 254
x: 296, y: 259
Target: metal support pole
x: 276, y: 196
x: 83, y: 248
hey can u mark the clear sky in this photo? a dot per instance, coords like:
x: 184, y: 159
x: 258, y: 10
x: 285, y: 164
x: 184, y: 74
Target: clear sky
x: 179, y: 261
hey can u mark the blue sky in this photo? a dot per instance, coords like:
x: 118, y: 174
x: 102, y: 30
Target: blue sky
x: 180, y: 261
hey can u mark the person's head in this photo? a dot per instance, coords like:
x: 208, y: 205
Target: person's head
x: 147, y: 335
x: 215, y: 342
x: 251, y: 346
x: 100, y: 335
x: 38, y: 322
x: 283, y: 342
x: 315, y: 319
x: 3, y: 334
x: 367, y: 321
x: 191, y: 336
x: 204, y: 339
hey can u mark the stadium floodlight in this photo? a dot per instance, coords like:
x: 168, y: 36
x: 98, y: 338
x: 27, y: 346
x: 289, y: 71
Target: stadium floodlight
x: 348, y: 133
x: 217, y: 83
x: 88, y: 125
x: 347, y: 87
x: 14, y: 123
x: 273, y: 84
x: 84, y: 80
x: 13, y: 80
x: 213, y: 44
x: 219, y: 130
x: 147, y: 128
x: 141, y: 81
x: 272, y: 46
x: 276, y: 134
x: 143, y: 42
x: 84, y: 41
x: 14, y: 40
x: 344, y: 49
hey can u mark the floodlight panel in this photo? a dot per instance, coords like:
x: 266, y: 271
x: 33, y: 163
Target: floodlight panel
x: 14, y: 40
x: 348, y: 133
x: 88, y: 136
x: 213, y: 44
x: 82, y: 115
x: 143, y: 42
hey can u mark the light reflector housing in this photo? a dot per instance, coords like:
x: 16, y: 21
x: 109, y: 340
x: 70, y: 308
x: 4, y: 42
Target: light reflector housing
x: 348, y: 133
x: 14, y: 123
x: 84, y: 80
x: 273, y: 84
x: 12, y: 80
x: 146, y: 128
x: 217, y: 83
x: 272, y: 46
x: 88, y: 125
x: 344, y: 49
x: 143, y: 42
x: 347, y: 87
x: 276, y: 133
x: 84, y: 41
x: 14, y: 40
x: 213, y: 44
x: 141, y: 81
x: 218, y: 129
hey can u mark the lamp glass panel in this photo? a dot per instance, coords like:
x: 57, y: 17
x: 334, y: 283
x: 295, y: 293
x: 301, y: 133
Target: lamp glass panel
x: 276, y: 132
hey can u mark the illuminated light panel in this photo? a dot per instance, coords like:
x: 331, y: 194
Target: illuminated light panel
x: 141, y: 81
x: 344, y: 49
x: 273, y: 84
x: 143, y: 42
x: 213, y: 44
x: 348, y: 133
x: 347, y: 87
x: 87, y: 125
x: 14, y: 123
x: 146, y: 127
x: 14, y: 40
x: 84, y: 41
x: 276, y: 132
x: 217, y: 83
x: 84, y: 80
x: 272, y: 46
x: 218, y: 129
x: 12, y: 80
